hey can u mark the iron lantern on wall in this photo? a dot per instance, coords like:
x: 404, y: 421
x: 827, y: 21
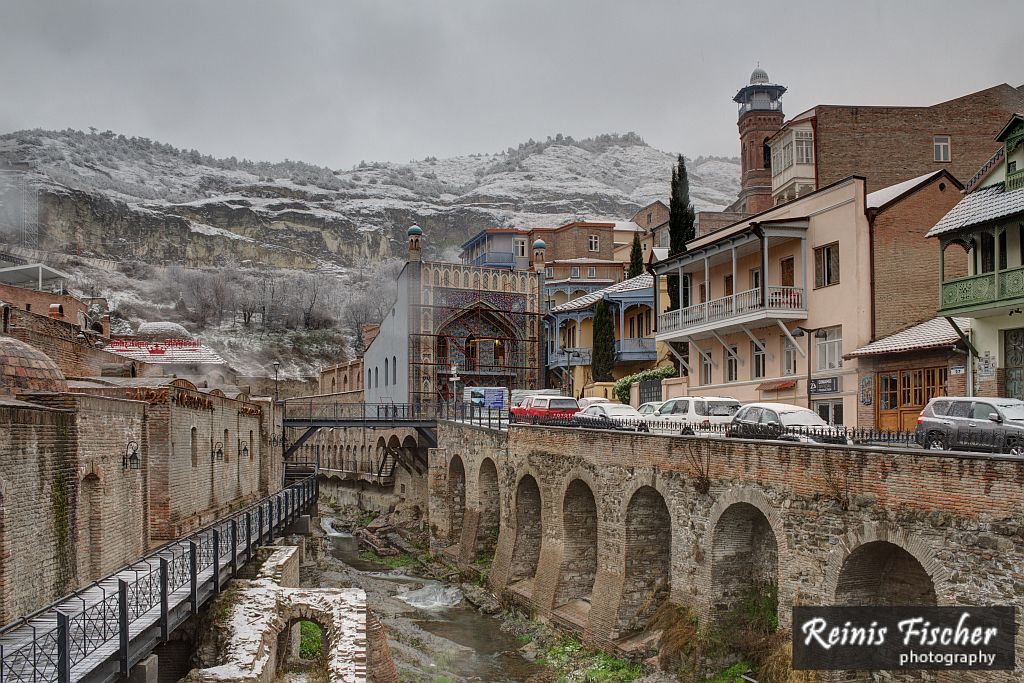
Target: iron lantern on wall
x: 218, y: 452
x: 131, y: 460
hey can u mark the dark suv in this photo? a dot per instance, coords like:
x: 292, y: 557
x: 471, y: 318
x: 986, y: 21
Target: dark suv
x: 992, y: 425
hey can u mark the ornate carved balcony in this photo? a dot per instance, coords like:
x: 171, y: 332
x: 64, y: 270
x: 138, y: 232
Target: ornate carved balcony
x: 979, y: 292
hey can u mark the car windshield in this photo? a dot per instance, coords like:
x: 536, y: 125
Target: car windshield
x: 563, y: 404
x: 1012, y: 411
x: 802, y: 418
x: 717, y: 408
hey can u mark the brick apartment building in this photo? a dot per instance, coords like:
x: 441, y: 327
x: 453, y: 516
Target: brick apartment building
x: 887, y: 145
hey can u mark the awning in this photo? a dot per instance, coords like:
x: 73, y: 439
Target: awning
x: 777, y: 385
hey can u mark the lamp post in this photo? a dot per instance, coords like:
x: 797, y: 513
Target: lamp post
x: 818, y: 333
x: 277, y: 392
x: 569, y: 353
x: 454, y: 378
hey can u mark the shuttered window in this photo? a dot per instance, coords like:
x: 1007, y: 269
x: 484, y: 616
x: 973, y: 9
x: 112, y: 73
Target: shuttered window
x: 826, y: 265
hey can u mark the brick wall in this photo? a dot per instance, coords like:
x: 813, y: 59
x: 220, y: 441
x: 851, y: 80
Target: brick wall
x: 74, y: 309
x: 956, y: 516
x: 890, y: 144
x: 906, y: 262
x: 59, y: 340
x: 870, y: 366
x: 572, y: 242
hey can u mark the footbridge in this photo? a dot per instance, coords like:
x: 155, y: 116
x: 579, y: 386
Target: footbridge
x: 100, y: 632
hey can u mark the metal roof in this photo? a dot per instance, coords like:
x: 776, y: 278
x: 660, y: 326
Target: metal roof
x: 587, y: 300
x: 936, y: 333
x: 32, y: 274
x: 981, y: 206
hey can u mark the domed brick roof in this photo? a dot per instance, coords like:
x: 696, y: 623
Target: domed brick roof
x: 24, y: 368
x: 162, y: 331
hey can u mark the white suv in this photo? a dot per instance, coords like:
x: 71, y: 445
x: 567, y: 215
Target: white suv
x: 696, y: 412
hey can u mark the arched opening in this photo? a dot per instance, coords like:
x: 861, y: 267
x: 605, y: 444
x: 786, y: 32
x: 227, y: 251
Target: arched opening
x: 227, y: 443
x: 744, y: 561
x: 579, y: 548
x: 526, y: 550
x: 302, y: 647
x: 252, y: 445
x: 5, y: 324
x: 456, y: 497
x: 91, y: 496
x: 394, y: 370
x: 194, y: 447
x: 487, y: 488
x: 334, y: 384
x: 880, y: 573
x: 648, y: 553
x: 387, y: 377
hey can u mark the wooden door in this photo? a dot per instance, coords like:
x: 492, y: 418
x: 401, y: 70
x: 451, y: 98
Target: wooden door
x: 728, y: 285
x: 788, y: 275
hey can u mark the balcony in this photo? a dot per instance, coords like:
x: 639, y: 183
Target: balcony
x: 976, y: 293
x: 494, y: 258
x: 631, y: 350
x: 732, y: 312
x: 1015, y: 180
x: 569, y: 357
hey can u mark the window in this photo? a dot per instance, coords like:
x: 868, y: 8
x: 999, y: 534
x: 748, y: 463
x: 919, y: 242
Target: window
x: 776, y: 161
x: 376, y: 378
x: 369, y: 378
x: 1011, y: 166
x: 386, y: 378
x: 728, y: 285
x: 705, y: 370
x: 648, y: 316
x: 888, y: 391
x: 826, y: 265
x: 787, y: 155
x: 520, y: 247
x: 986, y: 255
x: 394, y: 369
x: 703, y: 292
x: 549, y: 272
x: 731, y: 364
x: 830, y: 411
x: 591, y: 272
x: 940, y: 144
x: 194, y: 445
x: 755, y: 278
x: 757, y: 354
x: 594, y: 243
x: 829, y: 349
x: 574, y: 272
x: 632, y: 328
x: 789, y: 353
x: 804, y: 147
x: 650, y: 217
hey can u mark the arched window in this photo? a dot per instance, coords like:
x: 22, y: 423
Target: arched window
x: 333, y: 385
x: 227, y: 451
x: 369, y: 378
x: 194, y: 445
x: 385, y: 372
x: 767, y: 152
x: 251, y: 444
x: 376, y: 378
x: 499, y: 352
x: 394, y: 370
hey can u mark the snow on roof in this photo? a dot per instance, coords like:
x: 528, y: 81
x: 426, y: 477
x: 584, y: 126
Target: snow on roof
x: 880, y: 198
x: 165, y: 352
x: 587, y: 300
x: 628, y: 226
x: 936, y: 333
x: 592, y: 261
x: 980, y: 206
x: 158, y: 331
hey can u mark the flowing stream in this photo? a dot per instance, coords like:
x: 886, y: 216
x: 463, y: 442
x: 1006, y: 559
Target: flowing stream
x: 434, y: 634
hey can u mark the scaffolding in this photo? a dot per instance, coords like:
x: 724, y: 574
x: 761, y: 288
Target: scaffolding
x: 484, y: 339
x: 19, y: 210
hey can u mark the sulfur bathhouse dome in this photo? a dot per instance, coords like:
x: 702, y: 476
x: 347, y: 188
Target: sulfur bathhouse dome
x: 25, y: 368
x: 759, y: 77
x: 162, y: 331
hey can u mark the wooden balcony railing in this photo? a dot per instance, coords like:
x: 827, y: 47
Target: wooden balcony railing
x: 724, y: 308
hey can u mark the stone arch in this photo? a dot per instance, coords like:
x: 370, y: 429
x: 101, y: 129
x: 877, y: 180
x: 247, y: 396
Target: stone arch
x: 528, y: 532
x: 91, y: 525
x: 411, y: 448
x: 579, y: 545
x: 908, y: 567
x: 456, y: 498
x: 648, y: 559
x: 744, y: 556
x: 489, y: 504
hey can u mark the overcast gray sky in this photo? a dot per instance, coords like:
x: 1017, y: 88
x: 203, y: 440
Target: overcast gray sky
x: 336, y: 82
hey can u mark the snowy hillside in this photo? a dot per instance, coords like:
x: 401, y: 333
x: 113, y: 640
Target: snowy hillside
x: 292, y: 214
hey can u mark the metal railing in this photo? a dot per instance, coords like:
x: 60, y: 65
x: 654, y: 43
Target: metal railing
x: 634, y: 344
x: 579, y: 355
x: 299, y: 414
x: 776, y: 297
x: 494, y: 258
x: 110, y: 625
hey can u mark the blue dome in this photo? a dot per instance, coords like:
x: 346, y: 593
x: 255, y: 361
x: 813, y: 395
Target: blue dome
x: 539, y: 244
x: 415, y: 230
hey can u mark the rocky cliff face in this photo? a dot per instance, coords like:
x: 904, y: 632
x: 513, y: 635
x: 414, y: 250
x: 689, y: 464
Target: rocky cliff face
x: 118, y: 198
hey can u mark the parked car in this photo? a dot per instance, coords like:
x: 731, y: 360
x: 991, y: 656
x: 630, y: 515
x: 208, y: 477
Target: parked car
x: 783, y: 422
x: 691, y: 413
x: 992, y: 425
x: 649, y: 408
x: 591, y: 400
x: 535, y: 409
x: 611, y: 416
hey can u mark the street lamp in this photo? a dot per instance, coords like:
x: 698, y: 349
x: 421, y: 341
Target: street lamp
x: 569, y: 353
x: 454, y: 378
x: 217, y: 453
x: 131, y: 459
x: 819, y: 333
x: 277, y: 392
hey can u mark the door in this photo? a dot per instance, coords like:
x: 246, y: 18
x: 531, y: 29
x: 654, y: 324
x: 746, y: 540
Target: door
x: 1013, y: 362
x: 746, y: 423
x: 984, y: 432
x: 959, y: 417
x: 788, y: 274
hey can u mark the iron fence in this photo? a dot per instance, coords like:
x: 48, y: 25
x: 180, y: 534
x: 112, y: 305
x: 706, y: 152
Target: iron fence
x: 308, y: 413
x: 87, y: 630
x: 979, y: 439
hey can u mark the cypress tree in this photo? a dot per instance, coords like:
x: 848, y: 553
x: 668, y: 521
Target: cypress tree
x: 602, y: 359
x: 681, y: 225
x: 636, y: 258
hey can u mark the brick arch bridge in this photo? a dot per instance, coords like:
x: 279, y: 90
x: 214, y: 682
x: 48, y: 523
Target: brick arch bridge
x: 595, y: 529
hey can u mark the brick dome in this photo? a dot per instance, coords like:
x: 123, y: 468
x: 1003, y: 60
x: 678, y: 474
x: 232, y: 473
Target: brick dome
x: 24, y: 368
x: 162, y: 331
